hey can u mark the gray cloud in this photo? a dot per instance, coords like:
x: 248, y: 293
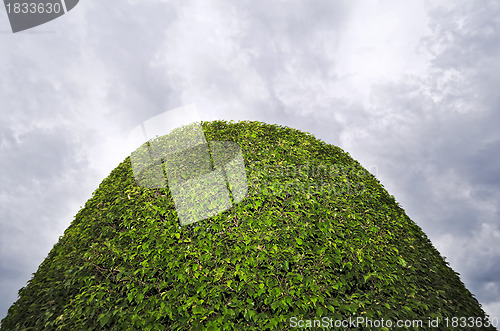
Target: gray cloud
x: 429, y: 130
x: 43, y: 180
x: 435, y: 140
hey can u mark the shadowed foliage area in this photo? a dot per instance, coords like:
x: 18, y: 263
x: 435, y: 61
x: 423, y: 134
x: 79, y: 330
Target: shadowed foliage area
x: 316, y: 236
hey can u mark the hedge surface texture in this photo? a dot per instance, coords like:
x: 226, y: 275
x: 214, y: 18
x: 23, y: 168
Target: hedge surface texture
x: 316, y: 235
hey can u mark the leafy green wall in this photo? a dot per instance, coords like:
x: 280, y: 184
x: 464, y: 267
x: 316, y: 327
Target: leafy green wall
x: 316, y: 235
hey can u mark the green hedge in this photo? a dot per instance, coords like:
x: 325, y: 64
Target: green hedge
x: 316, y: 236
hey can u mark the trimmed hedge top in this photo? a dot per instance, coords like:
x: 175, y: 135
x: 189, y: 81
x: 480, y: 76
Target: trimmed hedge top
x: 316, y: 236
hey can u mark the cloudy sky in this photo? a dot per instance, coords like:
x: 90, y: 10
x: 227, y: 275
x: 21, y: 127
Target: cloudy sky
x: 408, y: 88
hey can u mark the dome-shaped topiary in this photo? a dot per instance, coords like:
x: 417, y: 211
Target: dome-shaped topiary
x: 311, y: 239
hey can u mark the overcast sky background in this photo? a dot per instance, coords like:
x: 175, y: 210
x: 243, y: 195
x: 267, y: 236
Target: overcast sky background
x: 409, y: 88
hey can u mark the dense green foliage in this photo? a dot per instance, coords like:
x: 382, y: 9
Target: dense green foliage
x: 317, y: 235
